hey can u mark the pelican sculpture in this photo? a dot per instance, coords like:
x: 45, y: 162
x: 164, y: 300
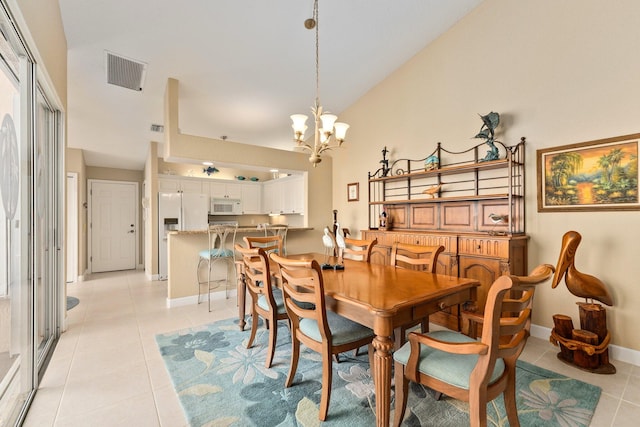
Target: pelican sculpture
x: 579, y: 284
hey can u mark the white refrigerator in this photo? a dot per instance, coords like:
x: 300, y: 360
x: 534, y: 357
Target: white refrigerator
x: 179, y: 211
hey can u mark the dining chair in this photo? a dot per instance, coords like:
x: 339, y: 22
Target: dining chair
x: 220, y: 251
x: 415, y: 257
x: 267, y: 301
x: 277, y: 230
x: 359, y: 250
x: 312, y: 325
x: 466, y: 369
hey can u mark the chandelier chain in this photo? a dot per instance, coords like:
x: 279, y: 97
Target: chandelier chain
x: 315, y: 17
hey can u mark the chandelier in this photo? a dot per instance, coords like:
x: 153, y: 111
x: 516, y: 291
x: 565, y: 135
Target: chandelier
x: 328, y: 133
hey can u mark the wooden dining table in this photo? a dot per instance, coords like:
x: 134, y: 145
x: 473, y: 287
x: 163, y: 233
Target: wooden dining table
x: 383, y: 298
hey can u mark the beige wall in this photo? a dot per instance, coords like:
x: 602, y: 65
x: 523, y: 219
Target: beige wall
x: 41, y: 23
x: 558, y: 73
x: 149, y: 213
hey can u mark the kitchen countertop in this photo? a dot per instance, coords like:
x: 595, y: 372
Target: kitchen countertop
x: 241, y: 229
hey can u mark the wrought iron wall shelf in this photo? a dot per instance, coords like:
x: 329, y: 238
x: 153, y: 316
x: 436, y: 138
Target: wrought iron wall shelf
x: 459, y: 181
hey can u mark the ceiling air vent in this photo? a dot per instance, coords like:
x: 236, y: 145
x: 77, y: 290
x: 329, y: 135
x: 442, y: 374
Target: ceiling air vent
x: 125, y: 72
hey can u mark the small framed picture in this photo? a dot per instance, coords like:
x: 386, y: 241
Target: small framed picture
x: 353, y: 192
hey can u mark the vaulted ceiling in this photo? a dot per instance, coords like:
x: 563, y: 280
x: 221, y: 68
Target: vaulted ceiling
x: 244, y: 66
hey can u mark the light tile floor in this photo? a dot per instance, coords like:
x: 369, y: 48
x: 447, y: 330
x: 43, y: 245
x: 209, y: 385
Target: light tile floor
x: 107, y: 370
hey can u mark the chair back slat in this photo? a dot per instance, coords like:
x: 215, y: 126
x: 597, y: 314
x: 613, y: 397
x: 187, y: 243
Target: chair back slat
x: 515, y: 305
x: 269, y: 244
x: 359, y: 250
x: 507, y: 321
x: 277, y: 230
x: 257, y: 273
x: 416, y: 257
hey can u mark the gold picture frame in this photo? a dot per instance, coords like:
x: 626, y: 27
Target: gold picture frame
x: 353, y: 192
x: 589, y: 176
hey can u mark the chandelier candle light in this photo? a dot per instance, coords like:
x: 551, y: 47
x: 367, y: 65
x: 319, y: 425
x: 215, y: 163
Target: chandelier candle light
x: 326, y: 126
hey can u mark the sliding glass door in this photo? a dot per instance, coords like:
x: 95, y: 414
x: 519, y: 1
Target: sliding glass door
x: 47, y: 205
x: 13, y: 249
x: 30, y: 225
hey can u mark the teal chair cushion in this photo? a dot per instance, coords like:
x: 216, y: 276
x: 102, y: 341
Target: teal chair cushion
x: 277, y: 296
x: 215, y: 253
x: 454, y: 369
x: 342, y: 329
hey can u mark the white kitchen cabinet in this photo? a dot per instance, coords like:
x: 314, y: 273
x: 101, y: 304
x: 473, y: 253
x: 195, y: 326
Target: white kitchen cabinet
x: 168, y: 184
x: 171, y: 184
x: 293, y: 195
x: 193, y: 186
x: 225, y: 190
x: 272, y: 197
x: 251, y: 196
x: 284, y: 196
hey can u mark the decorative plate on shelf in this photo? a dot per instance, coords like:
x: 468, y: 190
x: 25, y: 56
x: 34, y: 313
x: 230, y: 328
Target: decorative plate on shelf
x: 253, y: 178
x: 240, y: 178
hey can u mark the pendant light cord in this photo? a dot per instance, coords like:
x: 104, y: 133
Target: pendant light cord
x: 315, y: 18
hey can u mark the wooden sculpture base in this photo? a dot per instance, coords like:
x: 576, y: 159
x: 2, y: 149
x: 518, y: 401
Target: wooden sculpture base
x: 586, y: 348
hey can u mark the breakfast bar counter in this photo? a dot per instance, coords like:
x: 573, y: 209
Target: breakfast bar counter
x: 182, y: 258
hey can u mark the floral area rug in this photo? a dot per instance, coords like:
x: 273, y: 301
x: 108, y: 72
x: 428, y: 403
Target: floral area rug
x: 222, y: 383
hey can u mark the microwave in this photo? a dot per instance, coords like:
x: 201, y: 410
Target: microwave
x: 226, y: 207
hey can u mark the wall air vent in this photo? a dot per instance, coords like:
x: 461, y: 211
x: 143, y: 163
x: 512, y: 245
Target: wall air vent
x: 157, y: 128
x: 125, y: 72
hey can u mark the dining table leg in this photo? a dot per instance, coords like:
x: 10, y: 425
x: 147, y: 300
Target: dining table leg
x: 382, y: 363
x: 242, y: 294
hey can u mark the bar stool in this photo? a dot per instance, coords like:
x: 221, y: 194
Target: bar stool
x: 277, y: 230
x: 222, y: 239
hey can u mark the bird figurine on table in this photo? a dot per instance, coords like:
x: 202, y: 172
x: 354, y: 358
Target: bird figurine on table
x: 341, y: 245
x: 329, y: 242
x: 579, y: 284
x: 432, y: 191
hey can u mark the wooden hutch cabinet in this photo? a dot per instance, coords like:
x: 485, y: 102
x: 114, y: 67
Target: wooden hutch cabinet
x: 474, y: 208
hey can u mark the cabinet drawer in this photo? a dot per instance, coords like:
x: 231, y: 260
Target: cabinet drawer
x: 495, y: 248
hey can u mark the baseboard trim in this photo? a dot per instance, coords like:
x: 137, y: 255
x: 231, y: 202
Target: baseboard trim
x: 193, y: 299
x: 622, y: 354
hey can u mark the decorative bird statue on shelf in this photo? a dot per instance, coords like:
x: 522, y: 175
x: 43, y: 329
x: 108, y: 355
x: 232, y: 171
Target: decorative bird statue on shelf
x: 432, y: 191
x: 579, y: 284
x: 497, y: 219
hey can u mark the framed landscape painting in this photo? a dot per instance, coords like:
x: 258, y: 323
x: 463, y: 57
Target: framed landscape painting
x: 589, y: 176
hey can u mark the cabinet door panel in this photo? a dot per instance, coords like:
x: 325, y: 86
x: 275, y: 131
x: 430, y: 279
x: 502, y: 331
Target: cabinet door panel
x: 191, y: 186
x: 380, y: 255
x: 169, y: 185
x: 251, y: 199
x: 486, y: 271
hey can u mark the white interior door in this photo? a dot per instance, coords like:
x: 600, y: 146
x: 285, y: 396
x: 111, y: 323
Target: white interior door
x: 113, y: 225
